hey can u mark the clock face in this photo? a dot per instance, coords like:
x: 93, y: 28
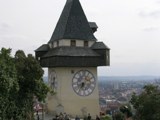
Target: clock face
x: 83, y: 83
x: 53, y: 81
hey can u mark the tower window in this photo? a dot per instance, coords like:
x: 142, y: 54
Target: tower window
x: 73, y: 43
x: 57, y: 43
x: 85, y: 43
x: 52, y: 46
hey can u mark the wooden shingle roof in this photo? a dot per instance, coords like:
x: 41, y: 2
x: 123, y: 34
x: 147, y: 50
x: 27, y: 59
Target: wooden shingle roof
x: 72, y: 24
x: 99, y: 45
x: 44, y: 47
x: 71, y: 51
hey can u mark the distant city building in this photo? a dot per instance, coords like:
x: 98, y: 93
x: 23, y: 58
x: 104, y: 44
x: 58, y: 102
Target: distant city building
x: 116, y: 85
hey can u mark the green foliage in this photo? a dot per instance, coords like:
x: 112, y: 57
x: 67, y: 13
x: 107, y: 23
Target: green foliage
x: 8, y: 84
x: 147, y: 104
x: 20, y: 81
x: 106, y: 117
x: 126, y: 110
x: 118, y: 116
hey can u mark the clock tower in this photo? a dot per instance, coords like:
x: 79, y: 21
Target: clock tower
x: 72, y: 56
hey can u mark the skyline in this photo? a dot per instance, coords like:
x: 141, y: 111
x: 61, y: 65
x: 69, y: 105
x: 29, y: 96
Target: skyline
x: 129, y: 28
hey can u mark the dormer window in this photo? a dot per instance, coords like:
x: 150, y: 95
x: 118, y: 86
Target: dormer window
x: 73, y: 43
x: 85, y: 43
x: 51, y: 45
x: 57, y: 43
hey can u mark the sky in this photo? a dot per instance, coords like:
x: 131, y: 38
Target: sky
x: 130, y: 28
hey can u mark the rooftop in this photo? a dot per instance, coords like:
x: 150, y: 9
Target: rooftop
x: 73, y: 23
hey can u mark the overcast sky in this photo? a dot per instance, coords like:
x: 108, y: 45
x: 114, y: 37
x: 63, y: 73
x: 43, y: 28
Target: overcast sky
x: 130, y: 28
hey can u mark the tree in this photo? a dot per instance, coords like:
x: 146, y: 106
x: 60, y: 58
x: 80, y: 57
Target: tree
x: 106, y: 117
x: 118, y: 116
x: 126, y: 110
x: 8, y: 84
x: 31, y: 83
x: 124, y: 113
x: 20, y: 81
x: 147, y: 104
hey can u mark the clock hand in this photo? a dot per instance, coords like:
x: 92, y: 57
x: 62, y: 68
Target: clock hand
x: 88, y: 78
x: 82, y: 85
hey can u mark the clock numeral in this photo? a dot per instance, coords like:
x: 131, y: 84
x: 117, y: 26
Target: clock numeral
x: 86, y: 92
x: 89, y: 90
x: 92, y: 86
x: 75, y: 80
x: 75, y: 86
x: 82, y: 92
x: 87, y: 73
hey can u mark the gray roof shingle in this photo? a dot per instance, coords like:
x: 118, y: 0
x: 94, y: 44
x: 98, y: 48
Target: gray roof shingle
x: 71, y: 51
x: 99, y: 45
x: 93, y: 25
x: 72, y: 23
x: 43, y: 47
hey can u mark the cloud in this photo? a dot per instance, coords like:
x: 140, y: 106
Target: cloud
x: 130, y: 69
x: 150, y: 29
x: 4, y: 28
x: 153, y: 14
x: 4, y: 25
x: 158, y: 1
x: 9, y: 38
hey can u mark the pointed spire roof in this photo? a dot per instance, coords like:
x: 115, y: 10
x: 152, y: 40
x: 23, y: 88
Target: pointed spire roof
x: 72, y: 23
